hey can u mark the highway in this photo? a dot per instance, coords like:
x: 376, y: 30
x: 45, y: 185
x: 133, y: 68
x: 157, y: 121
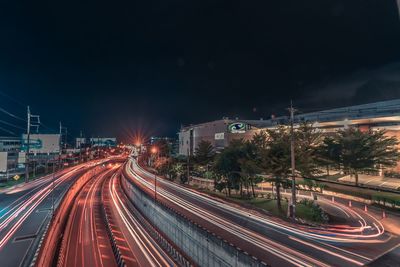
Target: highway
x: 24, y: 211
x: 85, y: 241
x: 136, y: 238
x: 275, y: 241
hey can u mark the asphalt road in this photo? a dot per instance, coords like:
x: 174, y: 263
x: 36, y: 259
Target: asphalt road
x: 25, y: 210
x: 137, y: 246
x: 274, y: 241
x: 85, y: 239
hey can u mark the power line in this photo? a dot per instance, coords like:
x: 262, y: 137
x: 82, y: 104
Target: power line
x: 12, y: 125
x: 13, y: 99
x: 48, y: 128
x: 7, y: 131
x: 12, y: 115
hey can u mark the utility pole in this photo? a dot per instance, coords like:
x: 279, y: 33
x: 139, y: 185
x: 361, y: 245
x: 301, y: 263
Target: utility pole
x: 60, y: 152
x: 155, y: 187
x: 61, y: 141
x: 80, y: 148
x: 52, y: 190
x: 28, y: 133
x: 188, y: 166
x: 293, y: 163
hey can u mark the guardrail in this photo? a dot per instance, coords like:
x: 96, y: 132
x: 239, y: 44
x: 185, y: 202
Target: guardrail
x: 117, y: 253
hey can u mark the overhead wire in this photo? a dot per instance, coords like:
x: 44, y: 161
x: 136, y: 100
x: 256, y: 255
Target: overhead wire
x: 12, y: 115
x: 12, y: 125
x: 7, y: 131
x: 12, y: 99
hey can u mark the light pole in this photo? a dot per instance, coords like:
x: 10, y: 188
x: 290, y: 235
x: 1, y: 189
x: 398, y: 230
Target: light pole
x: 52, y: 191
x: 28, y: 134
x: 292, y: 208
x: 154, y: 152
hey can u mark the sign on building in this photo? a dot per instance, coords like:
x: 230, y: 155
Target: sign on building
x: 237, y: 127
x: 219, y: 136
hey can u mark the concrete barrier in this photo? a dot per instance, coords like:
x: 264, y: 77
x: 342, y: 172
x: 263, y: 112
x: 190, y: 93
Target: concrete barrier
x: 203, y: 247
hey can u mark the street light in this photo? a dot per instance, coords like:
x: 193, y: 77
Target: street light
x: 154, y: 152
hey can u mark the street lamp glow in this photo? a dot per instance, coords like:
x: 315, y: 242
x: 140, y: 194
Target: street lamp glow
x: 153, y: 150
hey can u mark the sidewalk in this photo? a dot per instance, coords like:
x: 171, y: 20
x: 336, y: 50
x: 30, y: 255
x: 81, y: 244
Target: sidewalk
x: 372, y: 180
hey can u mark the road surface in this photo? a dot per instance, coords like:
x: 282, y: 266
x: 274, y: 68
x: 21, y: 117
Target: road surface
x: 24, y: 211
x: 274, y: 241
x: 85, y: 240
x: 132, y: 235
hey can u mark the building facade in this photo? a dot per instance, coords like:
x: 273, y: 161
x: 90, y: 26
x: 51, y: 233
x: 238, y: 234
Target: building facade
x: 9, y: 150
x: 380, y: 115
x: 219, y: 133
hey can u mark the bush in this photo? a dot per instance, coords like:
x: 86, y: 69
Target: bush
x: 313, y: 211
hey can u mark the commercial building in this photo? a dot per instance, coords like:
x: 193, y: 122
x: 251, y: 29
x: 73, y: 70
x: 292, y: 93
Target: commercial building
x: 12, y: 144
x: 219, y: 133
x: 9, y: 150
x: 379, y: 115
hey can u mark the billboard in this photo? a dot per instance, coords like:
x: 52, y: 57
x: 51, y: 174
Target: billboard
x: 3, y: 161
x: 107, y: 142
x: 41, y: 143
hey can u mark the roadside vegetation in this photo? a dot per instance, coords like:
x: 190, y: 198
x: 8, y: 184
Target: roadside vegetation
x: 238, y: 168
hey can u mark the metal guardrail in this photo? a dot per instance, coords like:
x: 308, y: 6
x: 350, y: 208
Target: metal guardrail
x: 117, y: 253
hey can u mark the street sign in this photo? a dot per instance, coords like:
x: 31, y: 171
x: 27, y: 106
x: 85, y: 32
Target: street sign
x: 16, y: 177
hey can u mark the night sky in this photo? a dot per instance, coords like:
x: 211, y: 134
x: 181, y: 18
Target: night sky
x: 114, y: 68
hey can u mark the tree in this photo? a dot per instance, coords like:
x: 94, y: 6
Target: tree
x: 328, y: 153
x: 227, y: 165
x: 366, y: 151
x: 177, y: 170
x: 204, y: 153
x: 274, y: 152
x: 249, y: 170
x: 307, y: 140
x: 162, y: 165
x: 276, y: 158
x: 163, y: 148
